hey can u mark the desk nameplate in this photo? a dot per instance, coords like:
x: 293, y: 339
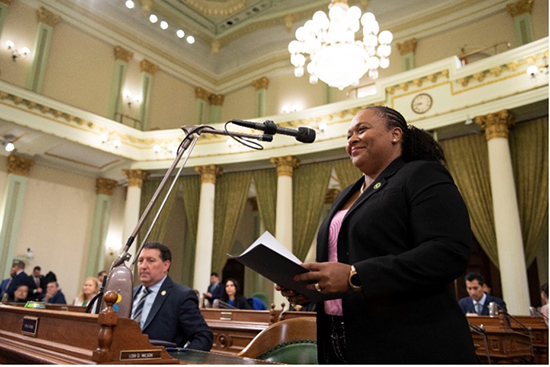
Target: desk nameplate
x: 141, y: 355
x: 30, y: 326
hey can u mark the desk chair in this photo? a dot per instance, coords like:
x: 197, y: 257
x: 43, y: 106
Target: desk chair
x: 292, y: 341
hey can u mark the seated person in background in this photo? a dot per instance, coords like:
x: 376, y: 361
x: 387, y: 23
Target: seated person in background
x: 478, y: 301
x: 101, y: 275
x: 21, y: 293
x: 232, y: 295
x: 54, y: 294
x: 166, y: 310
x: 544, y: 296
x: 89, y: 290
x: 215, y: 289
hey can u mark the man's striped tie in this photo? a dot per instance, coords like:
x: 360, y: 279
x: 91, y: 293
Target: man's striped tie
x: 139, y: 307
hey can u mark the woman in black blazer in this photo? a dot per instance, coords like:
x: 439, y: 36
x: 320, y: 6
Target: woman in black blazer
x: 389, y: 251
x: 232, y: 295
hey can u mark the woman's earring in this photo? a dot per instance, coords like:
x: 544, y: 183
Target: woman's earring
x: 394, y: 140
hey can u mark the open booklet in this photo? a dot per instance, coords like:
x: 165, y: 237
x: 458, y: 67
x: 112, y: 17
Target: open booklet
x: 271, y: 259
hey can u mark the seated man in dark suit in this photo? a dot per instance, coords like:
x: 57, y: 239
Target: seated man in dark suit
x: 19, y: 277
x: 166, y: 310
x: 478, y: 301
x: 54, y: 294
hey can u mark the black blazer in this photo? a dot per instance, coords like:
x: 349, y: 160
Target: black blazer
x: 408, y: 235
x: 20, y: 279
x: 175, y: 317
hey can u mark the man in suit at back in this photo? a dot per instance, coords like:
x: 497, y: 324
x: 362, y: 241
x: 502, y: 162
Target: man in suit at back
x: 215, y: 289
x: 478, y: 301
x: 37, y: 284
x: 19, y: 277
x: 166, y: 310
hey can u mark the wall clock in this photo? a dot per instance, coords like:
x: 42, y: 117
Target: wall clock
x: 422, y: 103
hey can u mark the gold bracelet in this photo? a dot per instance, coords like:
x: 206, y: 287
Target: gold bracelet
x: 354, y: 281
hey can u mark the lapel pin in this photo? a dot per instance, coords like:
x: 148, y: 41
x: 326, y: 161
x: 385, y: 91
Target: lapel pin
x: 377, y: 185
x: 163, y: 293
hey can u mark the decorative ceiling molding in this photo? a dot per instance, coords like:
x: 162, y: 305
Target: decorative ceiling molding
x: 216, y: 8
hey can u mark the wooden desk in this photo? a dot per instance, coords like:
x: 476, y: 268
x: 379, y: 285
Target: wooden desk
x: 234, y: 329
x: 502, y: 344
x: 539, y: 330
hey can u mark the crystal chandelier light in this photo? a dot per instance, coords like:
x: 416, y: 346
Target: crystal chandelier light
x: 335, y: 56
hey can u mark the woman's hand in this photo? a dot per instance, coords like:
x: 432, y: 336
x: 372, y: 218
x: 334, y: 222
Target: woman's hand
x: 291, y: 296
x: 326, y: 277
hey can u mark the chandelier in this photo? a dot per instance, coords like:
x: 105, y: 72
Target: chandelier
x: 335, y: 56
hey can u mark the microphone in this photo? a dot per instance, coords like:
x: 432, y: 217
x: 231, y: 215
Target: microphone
x: 303, y: 134
x: 209, y: 130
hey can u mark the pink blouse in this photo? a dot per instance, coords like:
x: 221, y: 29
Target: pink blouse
x: 334, y: 306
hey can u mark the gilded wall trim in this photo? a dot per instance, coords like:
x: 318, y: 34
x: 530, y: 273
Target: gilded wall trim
x: 407, y: 47
x: 123, y: 54
x: 331, y: 195
x: 217, y: 8
x: 148, y: 67
x: 261, y: 83
x: 105, y: 186
x: 20, y: 165
x: 520, y: 7
x: 285, y: 165
x: 216, y: 99
x: 496, y: 125
x: 136, y: 177
x: 47, y: 17
x: 201, y: 93
x: 209, y: 173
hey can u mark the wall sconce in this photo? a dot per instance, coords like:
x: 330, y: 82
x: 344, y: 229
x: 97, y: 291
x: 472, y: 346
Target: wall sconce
x: 130, y: 99
x: 7, y: 142
x: 534, y: 70
x: 16, y: 53
x: 30, y: 254
x: 110, y: 143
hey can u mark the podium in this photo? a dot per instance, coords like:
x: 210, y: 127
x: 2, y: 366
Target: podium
x: 65, y: 337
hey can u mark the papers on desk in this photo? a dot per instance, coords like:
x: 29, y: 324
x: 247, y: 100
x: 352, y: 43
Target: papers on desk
x: 270, y: 258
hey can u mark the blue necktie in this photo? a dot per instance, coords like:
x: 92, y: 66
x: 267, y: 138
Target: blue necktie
x: 139, y: 307
x: 479, y: 308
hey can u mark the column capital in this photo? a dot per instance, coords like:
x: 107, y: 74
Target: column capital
x: 261, y: 83
x: 7, y: 2
x: 520, y: 7
x: 123, y: 54
x: 209, y: 173
x: 20, y: 165
x: 136, y: 177
x: 216, y: 99
x: 47, y: 17
x: 202, y: 93
x: 285, y: 165
x: 289, y: 20
x: 407, y: 46
x: 215, y: 46
x: 148, y: 67
x: 105, y: 186
x: 496, y: 125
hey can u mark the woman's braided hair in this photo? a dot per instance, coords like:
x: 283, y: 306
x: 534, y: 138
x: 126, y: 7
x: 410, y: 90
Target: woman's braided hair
x: 417, y: 144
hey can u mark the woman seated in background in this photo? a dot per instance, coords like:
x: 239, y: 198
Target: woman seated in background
x: 89, y: 290
x: 232, y: 295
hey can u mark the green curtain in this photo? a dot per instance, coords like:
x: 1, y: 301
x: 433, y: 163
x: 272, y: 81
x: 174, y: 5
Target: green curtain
x: 191, y: 188
x: 347, y: 173
x: 529, y: 150
x: 468, y: 161
x: 265, y: 182
x: 231, y: 194
x: 159, y: 229
x: 309, y: 188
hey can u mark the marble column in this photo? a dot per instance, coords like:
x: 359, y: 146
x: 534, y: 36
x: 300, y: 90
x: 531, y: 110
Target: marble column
x: 523, y: 23
x: 216, y: 102
x: 132, y: 206
x: 283, y: 219
x: 511, y: 256
x: 201, y: 100
x: 205, y: 227
x: 148, y: 69
x: 12, y: 208
x: 407, y: 50
x: 46, y: 22
x: 261, y: 95
x: 100, y: 225
x: 3, y: 12
x: 122, y: 58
